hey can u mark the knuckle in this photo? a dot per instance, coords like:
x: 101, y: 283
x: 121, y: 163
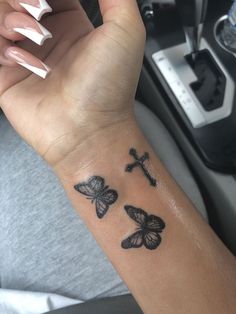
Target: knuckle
x: 136, y: 27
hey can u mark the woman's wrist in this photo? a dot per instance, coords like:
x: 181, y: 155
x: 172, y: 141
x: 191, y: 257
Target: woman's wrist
x: 148, y: 231
x: 104, y: 144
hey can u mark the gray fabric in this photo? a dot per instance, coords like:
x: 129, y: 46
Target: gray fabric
x: 44, y: 245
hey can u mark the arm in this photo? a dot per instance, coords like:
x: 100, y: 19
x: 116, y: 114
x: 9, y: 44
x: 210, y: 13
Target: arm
x: 190, y: 271
x: 81, y: 121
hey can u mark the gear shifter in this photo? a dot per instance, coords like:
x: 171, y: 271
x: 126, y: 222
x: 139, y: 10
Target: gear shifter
x: 199, y: 95
x: 192, y: 14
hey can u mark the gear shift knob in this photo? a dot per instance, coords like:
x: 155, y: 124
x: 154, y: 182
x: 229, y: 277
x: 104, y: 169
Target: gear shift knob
x: 192, y: 14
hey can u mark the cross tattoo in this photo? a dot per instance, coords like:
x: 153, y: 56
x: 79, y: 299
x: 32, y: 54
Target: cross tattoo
x: 139, y: 162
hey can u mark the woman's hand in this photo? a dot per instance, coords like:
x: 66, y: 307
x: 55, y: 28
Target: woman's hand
x: 94, y: 72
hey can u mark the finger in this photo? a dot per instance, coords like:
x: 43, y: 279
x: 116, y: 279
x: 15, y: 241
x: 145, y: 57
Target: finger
x: 36, y: 8
x: 16, y: 23
x: 5, y: 10
x: 4, y: 44
x: 17, y: 26
x: 27, y: 60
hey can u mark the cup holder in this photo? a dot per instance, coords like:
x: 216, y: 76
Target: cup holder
x: 218, y: 29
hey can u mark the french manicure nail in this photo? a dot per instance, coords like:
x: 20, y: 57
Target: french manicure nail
x: 37, y: 11
x: 35, y: 65
x: 36, y: 36
x: 39, y: 71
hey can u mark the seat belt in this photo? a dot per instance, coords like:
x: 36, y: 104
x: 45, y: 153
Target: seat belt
x: 124, y: 304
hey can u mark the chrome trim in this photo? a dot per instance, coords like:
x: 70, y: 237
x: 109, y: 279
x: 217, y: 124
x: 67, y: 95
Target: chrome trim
x: 217, y: 35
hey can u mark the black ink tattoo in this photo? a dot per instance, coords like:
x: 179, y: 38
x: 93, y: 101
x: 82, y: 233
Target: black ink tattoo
x: 147, y: 234
x: 97, y: 192
x: 139, y: 162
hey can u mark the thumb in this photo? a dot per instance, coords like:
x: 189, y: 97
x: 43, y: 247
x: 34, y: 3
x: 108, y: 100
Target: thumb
x: 122, y: 12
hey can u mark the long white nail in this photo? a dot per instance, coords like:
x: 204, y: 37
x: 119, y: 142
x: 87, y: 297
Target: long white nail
x: 37, y: 11
x: 27, y: 60
x: 38, y: 38
x: 39, y: 71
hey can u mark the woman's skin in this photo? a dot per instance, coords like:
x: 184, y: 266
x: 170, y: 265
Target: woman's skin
x: 80, y: 120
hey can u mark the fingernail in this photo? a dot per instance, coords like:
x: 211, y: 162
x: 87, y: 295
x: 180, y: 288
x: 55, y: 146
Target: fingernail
x: 38, y: 36
x: 31, y: 63
x: 36, y: 10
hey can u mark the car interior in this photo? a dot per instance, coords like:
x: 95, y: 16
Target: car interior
x: 185, y: 105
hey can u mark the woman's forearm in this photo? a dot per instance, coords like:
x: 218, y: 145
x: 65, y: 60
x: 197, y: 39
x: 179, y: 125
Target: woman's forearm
x: 168, y: 256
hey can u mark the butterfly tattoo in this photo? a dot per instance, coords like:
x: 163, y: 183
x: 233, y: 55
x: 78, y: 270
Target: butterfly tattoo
x: 147, y: 234
x: 96, y: 191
